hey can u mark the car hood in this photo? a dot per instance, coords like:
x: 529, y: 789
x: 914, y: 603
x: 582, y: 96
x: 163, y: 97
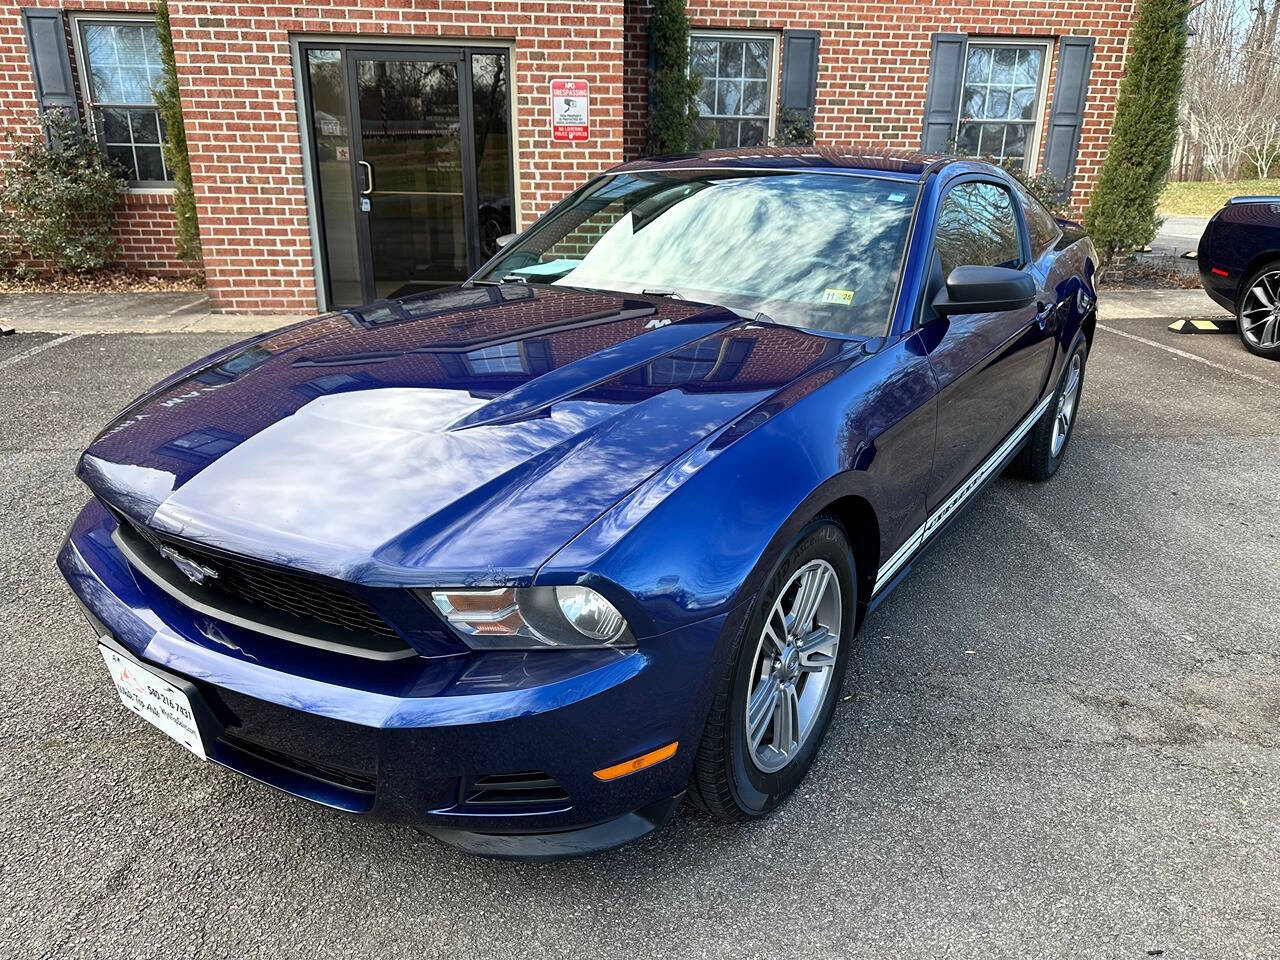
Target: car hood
x: 453, y: 437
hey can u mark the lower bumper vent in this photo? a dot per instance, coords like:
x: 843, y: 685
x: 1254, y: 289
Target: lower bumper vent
x: 521, y: 790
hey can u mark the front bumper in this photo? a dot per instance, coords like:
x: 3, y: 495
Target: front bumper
x: 411, y: 740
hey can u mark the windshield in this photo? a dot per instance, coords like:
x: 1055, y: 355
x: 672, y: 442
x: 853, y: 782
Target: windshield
x: 817, y: 250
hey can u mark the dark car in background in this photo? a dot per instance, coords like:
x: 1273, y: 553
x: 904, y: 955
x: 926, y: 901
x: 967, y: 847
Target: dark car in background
x: 1239, y: 260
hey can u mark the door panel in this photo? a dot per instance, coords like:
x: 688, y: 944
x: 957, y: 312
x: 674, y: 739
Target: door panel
x: 411, y: 159
x: 990, y: 367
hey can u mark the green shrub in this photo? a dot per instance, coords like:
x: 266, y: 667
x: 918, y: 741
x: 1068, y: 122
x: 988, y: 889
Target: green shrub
x: 169, y: 103
x: 1044, y: 186
x: 673, y: 115
x: 794, y: 128
x: 58, y: 200
x: 1122, y: 212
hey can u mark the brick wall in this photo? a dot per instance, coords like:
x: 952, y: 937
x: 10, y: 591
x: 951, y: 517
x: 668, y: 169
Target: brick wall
x: 873, y: 68
x: 246, y: 145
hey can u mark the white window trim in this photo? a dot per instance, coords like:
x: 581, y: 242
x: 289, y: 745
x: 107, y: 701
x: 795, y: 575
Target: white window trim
x: 1042, y: 95
x: 82, y: 74
x: 775, y: 60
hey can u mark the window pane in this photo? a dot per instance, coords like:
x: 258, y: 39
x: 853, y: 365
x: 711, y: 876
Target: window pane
x: 122, y: 157
x: 150, y: 163
x: 976, y: 226
x: 728, y: 98
x: 992, y: 139
x: 1002, y: 65
x: 703, y: 58
x: 331, y: 125
x: 726, y: 133
x: 144, y: 126
x: 978, y: 68
x: 731, y: 58
x: 123, y: 61
x: 707, y: 97
x: 1024, y: 103
x: 754, y: 93
x: 997, y: 104
x: 115, y: 126
x: 1028, y: 68
x: 757, y: 64
x: 493, y: 148
x: 967, y: 139
x: 751, y: 133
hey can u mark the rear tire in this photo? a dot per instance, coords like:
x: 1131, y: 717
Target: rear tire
x: 1258, y: 312
x: 1046, y: 447
x: 774, y: 706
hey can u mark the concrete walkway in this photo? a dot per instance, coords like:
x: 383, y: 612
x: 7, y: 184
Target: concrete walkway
x: 128, y: 313
x: 189, y: 312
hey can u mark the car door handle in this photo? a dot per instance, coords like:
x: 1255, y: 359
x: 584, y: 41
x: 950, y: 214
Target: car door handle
x: 1043, y: 313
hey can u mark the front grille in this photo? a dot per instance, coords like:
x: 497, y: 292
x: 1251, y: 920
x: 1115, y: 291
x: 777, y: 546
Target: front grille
x: 296, y: 607
x: 298, y: 595
x: 529, y: 789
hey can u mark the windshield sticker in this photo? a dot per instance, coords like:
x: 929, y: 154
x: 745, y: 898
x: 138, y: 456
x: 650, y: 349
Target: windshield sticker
x: 897, y: 197
x: 831, y: 295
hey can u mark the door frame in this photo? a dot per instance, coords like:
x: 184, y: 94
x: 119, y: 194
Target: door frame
x: 408, y: 48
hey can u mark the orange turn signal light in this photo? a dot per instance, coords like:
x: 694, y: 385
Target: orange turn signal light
x: 638, y: 763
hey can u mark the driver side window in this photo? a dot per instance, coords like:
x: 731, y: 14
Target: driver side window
x: 977, y: 226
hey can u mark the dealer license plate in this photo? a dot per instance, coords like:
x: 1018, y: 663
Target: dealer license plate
x: 155, y: 699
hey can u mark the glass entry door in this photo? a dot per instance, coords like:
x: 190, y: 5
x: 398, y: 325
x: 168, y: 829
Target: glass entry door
x: 422, y: 136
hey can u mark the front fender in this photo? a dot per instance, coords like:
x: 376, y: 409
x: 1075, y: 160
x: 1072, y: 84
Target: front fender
x: 691, y: 541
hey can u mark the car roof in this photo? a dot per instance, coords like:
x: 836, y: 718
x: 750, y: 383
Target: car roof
x: 880, y: 160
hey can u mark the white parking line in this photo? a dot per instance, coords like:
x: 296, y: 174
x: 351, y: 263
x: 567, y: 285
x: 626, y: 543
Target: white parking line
x: 1188, y: 356
x: 40, y: 348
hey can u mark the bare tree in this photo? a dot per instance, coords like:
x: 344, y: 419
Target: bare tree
x: 1230, y: 108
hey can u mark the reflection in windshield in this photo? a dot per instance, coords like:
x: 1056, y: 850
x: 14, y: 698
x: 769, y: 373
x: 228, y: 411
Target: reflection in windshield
x: 814, y: 250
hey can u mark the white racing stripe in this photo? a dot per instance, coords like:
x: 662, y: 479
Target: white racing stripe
x: 17, y: 358
x: 962, y: 493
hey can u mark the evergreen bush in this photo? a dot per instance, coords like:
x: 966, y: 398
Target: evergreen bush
x: 1121, y: 216
x: 176, y: 159
x: 673, y: 113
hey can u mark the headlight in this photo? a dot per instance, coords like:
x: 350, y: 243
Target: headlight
x: 509, y: 618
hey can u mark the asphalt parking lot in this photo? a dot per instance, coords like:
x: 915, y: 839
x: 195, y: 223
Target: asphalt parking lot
x: 1060, y: 737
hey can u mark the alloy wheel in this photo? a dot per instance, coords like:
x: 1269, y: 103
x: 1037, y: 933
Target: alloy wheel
x: 794, y: 663
x: 1260, y: 311
x: 1067, y: 405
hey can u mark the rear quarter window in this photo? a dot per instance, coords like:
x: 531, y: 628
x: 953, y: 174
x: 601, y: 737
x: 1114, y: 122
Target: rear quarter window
x: 1041, y: 225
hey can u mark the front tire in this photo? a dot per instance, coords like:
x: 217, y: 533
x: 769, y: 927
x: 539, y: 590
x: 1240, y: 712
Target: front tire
x: 1046, y: 448
x: 774, y: 707
x: 1258, y: 312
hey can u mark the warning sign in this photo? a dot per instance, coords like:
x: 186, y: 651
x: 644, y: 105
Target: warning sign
x: 570, y: 110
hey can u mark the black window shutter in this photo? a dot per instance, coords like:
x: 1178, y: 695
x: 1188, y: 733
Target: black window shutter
x: 942, y: 102
x: 799, y: 69
x: 1075, y: 56
x: 50, y: 59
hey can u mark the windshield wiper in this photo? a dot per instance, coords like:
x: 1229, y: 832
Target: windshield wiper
x: 658, y: 292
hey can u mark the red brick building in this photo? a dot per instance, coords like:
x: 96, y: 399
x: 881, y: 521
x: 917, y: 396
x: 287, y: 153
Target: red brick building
x: 343, y: 151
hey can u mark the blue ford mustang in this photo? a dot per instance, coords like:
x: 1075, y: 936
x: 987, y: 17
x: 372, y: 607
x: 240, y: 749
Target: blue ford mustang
x: 527, y: 560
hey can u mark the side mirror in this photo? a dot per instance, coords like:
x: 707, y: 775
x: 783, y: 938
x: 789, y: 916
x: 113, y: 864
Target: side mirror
x: 984, y: 290
x: 503, y: 240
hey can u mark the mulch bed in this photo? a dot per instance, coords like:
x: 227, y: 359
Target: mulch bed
x: 1148, y: 275
x: 100, y: 281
